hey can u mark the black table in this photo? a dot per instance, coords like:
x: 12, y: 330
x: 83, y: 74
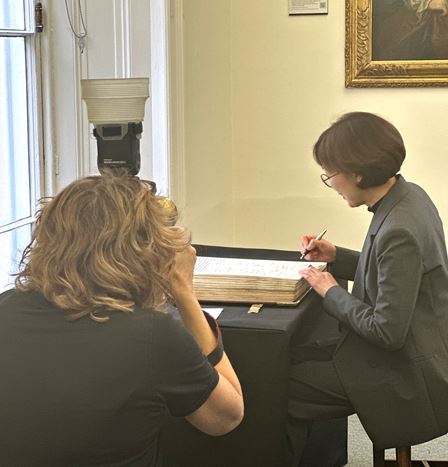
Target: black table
x: 259, y: 347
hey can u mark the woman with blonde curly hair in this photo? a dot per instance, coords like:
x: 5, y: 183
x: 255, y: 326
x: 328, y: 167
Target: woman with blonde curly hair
x: 89, y: 363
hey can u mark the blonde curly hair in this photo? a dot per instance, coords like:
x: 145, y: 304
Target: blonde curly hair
x: 103, y: 243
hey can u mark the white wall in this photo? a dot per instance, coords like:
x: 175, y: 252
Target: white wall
x: 208, y: 168
x: 260, y: 87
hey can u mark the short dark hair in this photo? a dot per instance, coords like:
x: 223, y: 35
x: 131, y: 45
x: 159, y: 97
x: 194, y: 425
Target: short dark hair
x: 364, y: 144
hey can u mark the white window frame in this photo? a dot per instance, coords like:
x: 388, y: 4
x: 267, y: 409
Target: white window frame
x: 33, y: 101
x: 34, y: 127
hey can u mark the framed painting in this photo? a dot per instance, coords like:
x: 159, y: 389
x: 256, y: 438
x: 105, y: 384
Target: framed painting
x: 396, y: 43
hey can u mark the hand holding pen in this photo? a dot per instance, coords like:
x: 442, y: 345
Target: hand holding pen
x: 317, y: 249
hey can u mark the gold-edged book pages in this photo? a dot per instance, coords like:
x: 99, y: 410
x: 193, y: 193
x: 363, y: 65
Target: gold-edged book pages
x: 241, y: 280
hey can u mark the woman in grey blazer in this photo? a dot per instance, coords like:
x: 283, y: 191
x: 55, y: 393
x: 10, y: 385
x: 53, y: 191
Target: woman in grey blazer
x: 390, y: 365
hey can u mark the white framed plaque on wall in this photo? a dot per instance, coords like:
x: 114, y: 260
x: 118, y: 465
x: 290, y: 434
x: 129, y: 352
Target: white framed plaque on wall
x: 308, y: 7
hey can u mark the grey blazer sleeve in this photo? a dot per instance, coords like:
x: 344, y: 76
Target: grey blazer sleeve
x: 344, y: 266
x: 391, y: 284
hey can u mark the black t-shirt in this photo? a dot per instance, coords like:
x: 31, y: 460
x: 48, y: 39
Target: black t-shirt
x: 81, y: 393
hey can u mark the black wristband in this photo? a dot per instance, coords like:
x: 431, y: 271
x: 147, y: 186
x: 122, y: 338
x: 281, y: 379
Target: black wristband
x: 215, y: 356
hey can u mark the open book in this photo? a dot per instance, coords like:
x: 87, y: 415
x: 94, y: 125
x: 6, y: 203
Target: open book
x: 250, y: 280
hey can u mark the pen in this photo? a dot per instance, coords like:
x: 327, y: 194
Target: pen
x: 319, y: 237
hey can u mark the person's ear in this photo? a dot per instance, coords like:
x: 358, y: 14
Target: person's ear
x: 358, y: 179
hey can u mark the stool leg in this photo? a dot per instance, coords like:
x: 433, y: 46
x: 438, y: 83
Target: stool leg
x: 378, y: 457
x: 404, y: 456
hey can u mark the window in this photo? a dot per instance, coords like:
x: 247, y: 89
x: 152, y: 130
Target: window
x: 19, y: 154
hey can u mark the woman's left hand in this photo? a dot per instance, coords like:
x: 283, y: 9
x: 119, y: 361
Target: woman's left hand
x: 321, y: 282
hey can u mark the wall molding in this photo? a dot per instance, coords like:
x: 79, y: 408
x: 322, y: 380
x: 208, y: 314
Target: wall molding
x: 177, y: 104
x: 159, y: 96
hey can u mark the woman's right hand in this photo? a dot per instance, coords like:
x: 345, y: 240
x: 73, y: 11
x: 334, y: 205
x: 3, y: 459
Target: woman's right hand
x: 182, y: 273
x: 320, y: 250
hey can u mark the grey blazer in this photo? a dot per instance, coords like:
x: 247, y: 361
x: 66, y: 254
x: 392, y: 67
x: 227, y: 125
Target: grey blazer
x: 392, y: 358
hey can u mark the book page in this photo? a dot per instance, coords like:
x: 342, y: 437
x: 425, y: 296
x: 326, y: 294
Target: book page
x: 250, y: 267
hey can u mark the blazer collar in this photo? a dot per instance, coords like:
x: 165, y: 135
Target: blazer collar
x: 391, y: 198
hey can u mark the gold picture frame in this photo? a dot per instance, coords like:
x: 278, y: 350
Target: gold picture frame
x: 361, y: 70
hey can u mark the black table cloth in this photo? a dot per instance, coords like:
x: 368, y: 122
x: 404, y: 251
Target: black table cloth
x: 260, y: 348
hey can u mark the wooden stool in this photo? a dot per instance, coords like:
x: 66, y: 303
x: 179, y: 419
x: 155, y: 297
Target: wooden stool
x: 403, y: 457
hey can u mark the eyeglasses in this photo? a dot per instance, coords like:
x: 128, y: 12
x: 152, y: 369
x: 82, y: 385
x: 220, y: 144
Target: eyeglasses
x: 325, y: 179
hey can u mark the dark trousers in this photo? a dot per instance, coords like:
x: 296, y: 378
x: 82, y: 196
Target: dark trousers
x: 315, y: 393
